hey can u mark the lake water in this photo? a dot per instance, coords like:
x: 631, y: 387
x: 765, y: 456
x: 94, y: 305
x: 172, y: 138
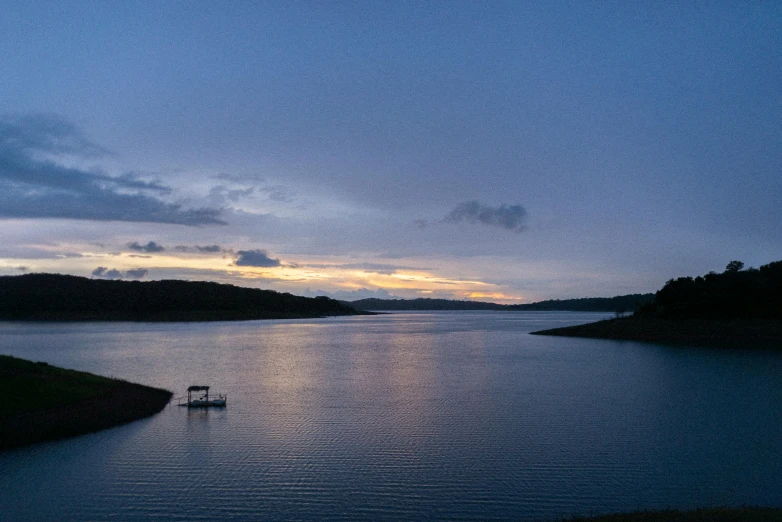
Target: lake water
x: 406, y: 416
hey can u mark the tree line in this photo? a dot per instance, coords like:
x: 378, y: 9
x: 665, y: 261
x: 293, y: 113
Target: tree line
x: 65, y: 297
x: 752, y: 293
x: 619, y: 304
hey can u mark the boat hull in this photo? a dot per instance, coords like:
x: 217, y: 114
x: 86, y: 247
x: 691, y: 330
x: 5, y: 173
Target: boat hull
x: 217, y: 403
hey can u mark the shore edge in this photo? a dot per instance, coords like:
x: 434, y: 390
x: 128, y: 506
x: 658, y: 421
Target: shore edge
x: 115, y: 402
x: 718, y: 514
x: 736, y: 333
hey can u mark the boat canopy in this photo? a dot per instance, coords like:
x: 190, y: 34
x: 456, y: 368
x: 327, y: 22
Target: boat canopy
x: 198, y: 388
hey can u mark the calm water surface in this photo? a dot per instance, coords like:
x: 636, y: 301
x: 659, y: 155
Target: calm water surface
x: 451, y: 415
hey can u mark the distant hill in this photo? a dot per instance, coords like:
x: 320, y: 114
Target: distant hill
x: 55, y: 297
x: 421, y: 304
x: 622, y: 303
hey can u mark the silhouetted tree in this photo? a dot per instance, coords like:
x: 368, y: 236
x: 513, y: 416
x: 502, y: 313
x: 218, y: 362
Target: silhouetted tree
x: 734, y: 266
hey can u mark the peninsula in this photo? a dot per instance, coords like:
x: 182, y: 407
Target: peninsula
x: 55, y: 297
x: 738, y: 308
x: 42, y: 402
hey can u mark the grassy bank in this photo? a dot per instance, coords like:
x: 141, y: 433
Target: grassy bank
x: 42, y: 402
x: 738, y: 333
x: 745, y: 514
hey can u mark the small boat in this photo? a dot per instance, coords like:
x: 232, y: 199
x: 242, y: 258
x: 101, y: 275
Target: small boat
x: 203, y: 401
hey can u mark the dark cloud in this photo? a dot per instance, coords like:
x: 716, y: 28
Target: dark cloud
x: 510, y: 217
x: 46, y: 133
x: 149, y: 247
x: 206, y: 249
x: 23, y: 268
x: 113, y: 273
x: 136, y: 273
x: 259, y: 258
x: 34, y: 185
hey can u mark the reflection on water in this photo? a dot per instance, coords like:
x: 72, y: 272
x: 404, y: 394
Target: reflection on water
x: 402, y: 416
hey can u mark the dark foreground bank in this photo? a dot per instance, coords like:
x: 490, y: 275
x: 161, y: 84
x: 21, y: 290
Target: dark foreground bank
x: 735, y: 333
x: 42, y: 402
x: 745, y: 514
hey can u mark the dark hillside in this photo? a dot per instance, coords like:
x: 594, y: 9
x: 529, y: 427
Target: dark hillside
x: 63, y: 297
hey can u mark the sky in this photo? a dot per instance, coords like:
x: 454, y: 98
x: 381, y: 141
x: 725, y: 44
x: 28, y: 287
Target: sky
x: 493, y: 151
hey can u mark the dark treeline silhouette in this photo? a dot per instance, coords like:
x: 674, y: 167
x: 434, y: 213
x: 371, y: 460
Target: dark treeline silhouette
x: 737, y: 308
x: 64, y: 297
x: 754, y: 293
x: 421, y: 304
x: 619, y: 304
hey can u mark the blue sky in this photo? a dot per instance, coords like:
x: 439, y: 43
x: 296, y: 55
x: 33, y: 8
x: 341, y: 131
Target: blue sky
x: 484, y: 150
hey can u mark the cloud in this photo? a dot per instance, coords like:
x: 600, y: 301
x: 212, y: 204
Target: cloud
x: 279, y: 193
x: 221, y: 195
x: 509, y: 217
x: 259, y: 258
x: 33, y: 184
x: 207, y: 249
x: 241, y: 186
x: 113, y: 273
x: 377, y: 268
x: 136, y: 273
x: 47, y: 133
x: 149, y: 247
x: 352, y: 295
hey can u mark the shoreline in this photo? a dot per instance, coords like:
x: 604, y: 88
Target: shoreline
x: 51, y: 403
x: 732, y: 333
x: 166, y: 317
x: 717, y: 514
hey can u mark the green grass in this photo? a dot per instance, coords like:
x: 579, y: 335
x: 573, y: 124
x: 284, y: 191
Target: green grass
x: 721, y: 514
x: 34, y: 386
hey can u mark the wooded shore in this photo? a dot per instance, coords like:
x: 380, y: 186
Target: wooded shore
x: 729, y: 333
